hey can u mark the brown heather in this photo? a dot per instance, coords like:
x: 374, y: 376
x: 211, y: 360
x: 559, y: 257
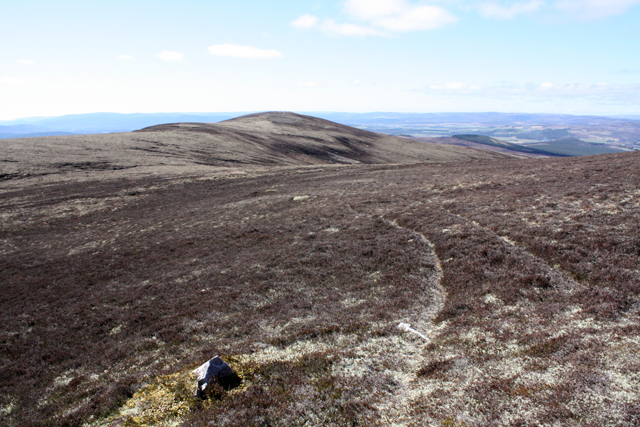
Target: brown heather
x: 527, y: 280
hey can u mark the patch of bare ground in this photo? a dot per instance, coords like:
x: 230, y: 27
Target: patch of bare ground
x: 523, y: 273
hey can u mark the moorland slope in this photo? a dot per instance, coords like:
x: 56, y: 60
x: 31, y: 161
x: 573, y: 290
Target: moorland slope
x: 265, y: 139
x: 522, y: 272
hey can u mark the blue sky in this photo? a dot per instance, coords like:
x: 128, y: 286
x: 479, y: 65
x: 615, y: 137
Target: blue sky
x: 539, y: 56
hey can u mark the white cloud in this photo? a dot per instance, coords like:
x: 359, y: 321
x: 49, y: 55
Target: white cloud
x: 26, y: 61
x: 306, y: 21
x: 167, y: 55
x: 399, y: 15
x: 236, y: 51
x: 308, y: 84
x: 594, y: 9
x: 372, y: 9
x: 381, y: 17
x: 13, y: 81
x: 578, y: 9
x: 417, y: 18
x: 496, y: 10
x: 546, y: 86
x: 330, y: 27
x: 356, y: 82
x: 126, y: 57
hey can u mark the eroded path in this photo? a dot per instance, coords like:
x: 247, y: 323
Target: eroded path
x: 387, y: 364
x: 401, y: 355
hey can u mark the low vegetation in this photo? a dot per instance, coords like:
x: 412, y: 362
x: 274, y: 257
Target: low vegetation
x: 523, y: 273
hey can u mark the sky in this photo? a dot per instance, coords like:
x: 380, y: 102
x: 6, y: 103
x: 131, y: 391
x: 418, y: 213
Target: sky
x: 534, y: 56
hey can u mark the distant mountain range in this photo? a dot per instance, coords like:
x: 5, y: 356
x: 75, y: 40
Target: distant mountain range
x: 487, y: 119
x: 115, y: 122
x: 94, y: 123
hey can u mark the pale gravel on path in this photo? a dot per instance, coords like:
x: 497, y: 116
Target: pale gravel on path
x: 404, y: 353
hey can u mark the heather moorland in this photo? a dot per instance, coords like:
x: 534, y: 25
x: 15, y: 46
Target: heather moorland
x: 523, y: 273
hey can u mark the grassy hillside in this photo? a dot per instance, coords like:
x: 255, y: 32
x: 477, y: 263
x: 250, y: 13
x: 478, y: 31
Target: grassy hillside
x: 114, y: 289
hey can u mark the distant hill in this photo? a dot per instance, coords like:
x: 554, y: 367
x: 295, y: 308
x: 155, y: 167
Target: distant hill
x: 574, y: 147
x: 99, y: 123
x: 489, y: 118
x: 486, y: 140
x: 264, y: 139
x: 4, y: 135
x: 564, y: 147
x: 545, y: 134
x: 116, y: 122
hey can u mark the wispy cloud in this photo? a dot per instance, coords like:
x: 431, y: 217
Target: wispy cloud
x: 399, y: 15
x: 330, y: 27
x: 306, y: 21
x: 416, y: 19
x: 26, y: 61
x: 594, y: 9
x: 13, y: 81
x: 308, y: 84
x: 125, y: 57
x: 593, y: 92
x: 171, y: 56
x: 372, y: 9
x: 247, y: 52
x: 573, y: 9
x: 496, y: 10
x: 333, y: 28
x: 380, y: 18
